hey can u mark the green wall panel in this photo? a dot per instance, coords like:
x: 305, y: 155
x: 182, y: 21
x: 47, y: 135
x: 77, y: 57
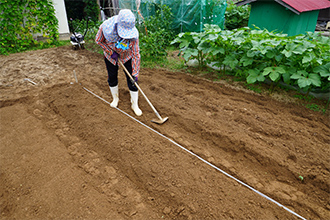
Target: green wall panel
x: 275, y: 17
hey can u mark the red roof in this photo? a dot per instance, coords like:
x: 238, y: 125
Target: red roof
x: 296, y: 6
x: 307, y: 5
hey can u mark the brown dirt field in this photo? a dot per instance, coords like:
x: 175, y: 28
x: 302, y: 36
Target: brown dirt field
x: 65, y: 154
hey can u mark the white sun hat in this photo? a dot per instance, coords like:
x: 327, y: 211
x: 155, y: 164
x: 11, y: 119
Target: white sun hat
x: 126, y: 25
x: 109, y: 30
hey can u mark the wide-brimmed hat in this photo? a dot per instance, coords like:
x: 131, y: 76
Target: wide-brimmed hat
x: 109, y: 30
x: 126, y: 25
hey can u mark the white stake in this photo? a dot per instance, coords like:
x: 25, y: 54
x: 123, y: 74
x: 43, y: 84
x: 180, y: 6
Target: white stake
x: 29, y: 80
x: 74, y: 73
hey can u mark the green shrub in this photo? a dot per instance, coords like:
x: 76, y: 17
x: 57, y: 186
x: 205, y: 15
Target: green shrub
x: 91, y: 10
x: 156, y: 33
x: 21, y: 20
x: 259, y: 55
x: 236, y: 17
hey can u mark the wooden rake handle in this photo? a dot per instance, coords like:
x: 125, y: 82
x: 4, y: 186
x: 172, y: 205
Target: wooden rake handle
x: 153, y: 108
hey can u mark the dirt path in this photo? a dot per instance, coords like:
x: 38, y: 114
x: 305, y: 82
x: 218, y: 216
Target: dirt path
x: 65, y: 154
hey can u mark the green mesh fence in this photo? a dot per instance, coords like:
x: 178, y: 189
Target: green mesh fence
x: 189, y: 15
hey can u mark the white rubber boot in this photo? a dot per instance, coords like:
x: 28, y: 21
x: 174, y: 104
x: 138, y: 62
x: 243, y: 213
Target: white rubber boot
x: 134, y: 101
x: 115, y: 96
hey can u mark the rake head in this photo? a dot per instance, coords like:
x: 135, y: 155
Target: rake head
x: 159, y: 121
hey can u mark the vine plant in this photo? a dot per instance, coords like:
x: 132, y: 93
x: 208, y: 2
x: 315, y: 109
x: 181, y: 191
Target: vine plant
x: 21, y: 20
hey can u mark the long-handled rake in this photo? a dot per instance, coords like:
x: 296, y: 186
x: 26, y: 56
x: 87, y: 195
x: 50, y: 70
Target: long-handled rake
x: 160, y: 120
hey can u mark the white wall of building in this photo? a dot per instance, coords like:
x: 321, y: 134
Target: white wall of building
x: 60, y: 12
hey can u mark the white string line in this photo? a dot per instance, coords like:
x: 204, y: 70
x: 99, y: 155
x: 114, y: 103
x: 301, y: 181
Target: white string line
x: 195, y: 155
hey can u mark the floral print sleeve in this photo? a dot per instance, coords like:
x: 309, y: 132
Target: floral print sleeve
x: 135, y: 57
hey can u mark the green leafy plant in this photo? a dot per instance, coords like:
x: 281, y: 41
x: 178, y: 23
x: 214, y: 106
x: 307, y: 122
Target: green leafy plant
x: 256, y: 89
x: 314, y: 107
x: 159, y: 34
x: 302, y: 97
x: 22, y: 20
x: 91, y: 10
x: 197, y: 45
x: 236, y: 17
x: 262, y: 56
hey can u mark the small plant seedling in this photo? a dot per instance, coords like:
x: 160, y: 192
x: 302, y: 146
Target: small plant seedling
x: 314, y: 107
x: 301, y: 178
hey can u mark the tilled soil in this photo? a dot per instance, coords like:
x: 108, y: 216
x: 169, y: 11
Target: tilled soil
x: 66, y: 154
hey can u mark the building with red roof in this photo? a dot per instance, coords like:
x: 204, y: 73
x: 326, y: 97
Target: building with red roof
x: 292, y: 17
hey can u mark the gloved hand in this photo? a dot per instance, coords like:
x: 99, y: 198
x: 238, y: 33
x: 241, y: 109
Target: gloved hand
x: 135, y: 79
x: 114, y: 56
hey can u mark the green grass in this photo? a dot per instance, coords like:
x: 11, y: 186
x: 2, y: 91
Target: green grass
x: 314, y: 107
x: 41, y: 45
x: 304, y: 97
x: 254, y: 88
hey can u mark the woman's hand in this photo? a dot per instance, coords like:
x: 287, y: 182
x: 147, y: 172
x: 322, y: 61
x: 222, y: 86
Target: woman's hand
x: 114, y: 56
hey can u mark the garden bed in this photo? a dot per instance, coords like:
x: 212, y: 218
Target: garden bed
x: 66, y: 154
